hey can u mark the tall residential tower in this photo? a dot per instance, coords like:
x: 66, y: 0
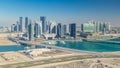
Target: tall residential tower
x: 44, y: 23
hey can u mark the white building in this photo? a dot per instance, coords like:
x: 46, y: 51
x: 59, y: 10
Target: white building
x: 49, y: 36
x: 52, y: 27
x: 37, y: 52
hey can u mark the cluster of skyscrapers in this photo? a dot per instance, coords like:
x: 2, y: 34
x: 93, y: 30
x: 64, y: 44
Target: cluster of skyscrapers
x: 38, y: 29
x: 50, y: 29
x: 96, y: 27
x: 18, y: 27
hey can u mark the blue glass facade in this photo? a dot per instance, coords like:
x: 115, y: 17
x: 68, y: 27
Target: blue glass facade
x: 73, y: 30
x: 44, y: 24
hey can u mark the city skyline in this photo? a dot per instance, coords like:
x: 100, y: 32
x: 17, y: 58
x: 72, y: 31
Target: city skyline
x: 62, y: 11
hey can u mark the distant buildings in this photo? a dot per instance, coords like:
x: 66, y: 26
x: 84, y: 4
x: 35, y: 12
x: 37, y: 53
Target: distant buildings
x: 115, y: 30
x: 5, y: 29
x: 38, y: 29
x: 96, y: 27
x: 88, y: 27
x: 31, y: 31
x: 13, y: 28
x: 64, y: 29
x: 18, y: 27
x: 26, y: 23
x: 73, y: 30
x: 60, y: 30
x: 44, y: 23
x: 20, y: 24
x: 52, y: 27
x: 53, y: 30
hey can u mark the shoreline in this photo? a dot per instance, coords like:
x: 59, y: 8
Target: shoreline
x: 11, y: 43
x: 76, y: 55
x: 81, y: 51
x: 6, y: 42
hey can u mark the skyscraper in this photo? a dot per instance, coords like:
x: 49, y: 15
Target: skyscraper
x: 43, y: 19
x: 20, y: 24
x: 52, y: 27
x: 64, y: 29
x: 17, y: 26
x: 31, y: 31
x: 38, y: 29
x: 59, y: 30
x: 13, y: 28
x: 104, y: 27
x: 88, y: 27
x: 96, y: 27
x: 47, y: 26
x: 73, y: 30
x: 26, y: 23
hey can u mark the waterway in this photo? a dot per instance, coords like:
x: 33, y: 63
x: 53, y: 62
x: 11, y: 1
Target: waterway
x: 11, y: 48
x: 89, y: 46
x: 84, y: 45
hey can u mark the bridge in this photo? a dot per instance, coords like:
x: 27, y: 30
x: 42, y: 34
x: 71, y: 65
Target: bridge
x: 34, y: 45
x: 53, y: 47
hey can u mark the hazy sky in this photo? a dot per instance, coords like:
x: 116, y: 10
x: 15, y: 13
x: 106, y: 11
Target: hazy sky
x: 64, y: 11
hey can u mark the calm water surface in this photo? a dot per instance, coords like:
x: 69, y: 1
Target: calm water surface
x: 11, y: 48
x: 89, y: 46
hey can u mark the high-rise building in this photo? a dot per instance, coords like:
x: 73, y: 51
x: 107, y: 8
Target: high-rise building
x: 104, y: 27
x: 59, y: 30
x: 96, y: 27
x: 20, y: 24
x: 38, y: 29
x: 31, y: 31
x: 73, y: 30
x: 64, y: 29
x: 47, y: 26
x: 107, y: 27
x: 43, y: 19
x: 13, y: 28
x: 52, y: 27
x: 17, y: 26
x: 88, y: 27
x: 69, y: 29
x: 26, y: 23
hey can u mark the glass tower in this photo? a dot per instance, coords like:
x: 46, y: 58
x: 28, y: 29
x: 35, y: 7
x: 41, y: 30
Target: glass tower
x: 73, y: 30
x: 44, y: 23
x: 31, y: 31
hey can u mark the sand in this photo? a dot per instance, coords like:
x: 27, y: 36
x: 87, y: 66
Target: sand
x: 5, y: 41
x: 85, y: 63
x: 12, y: 57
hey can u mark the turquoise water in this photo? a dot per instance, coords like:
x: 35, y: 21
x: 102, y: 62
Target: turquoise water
x: 11, y: 48
x: 89, y: 46
x: 116, y: 39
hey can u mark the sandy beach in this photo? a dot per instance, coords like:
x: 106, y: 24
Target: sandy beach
x: 6, y: 41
